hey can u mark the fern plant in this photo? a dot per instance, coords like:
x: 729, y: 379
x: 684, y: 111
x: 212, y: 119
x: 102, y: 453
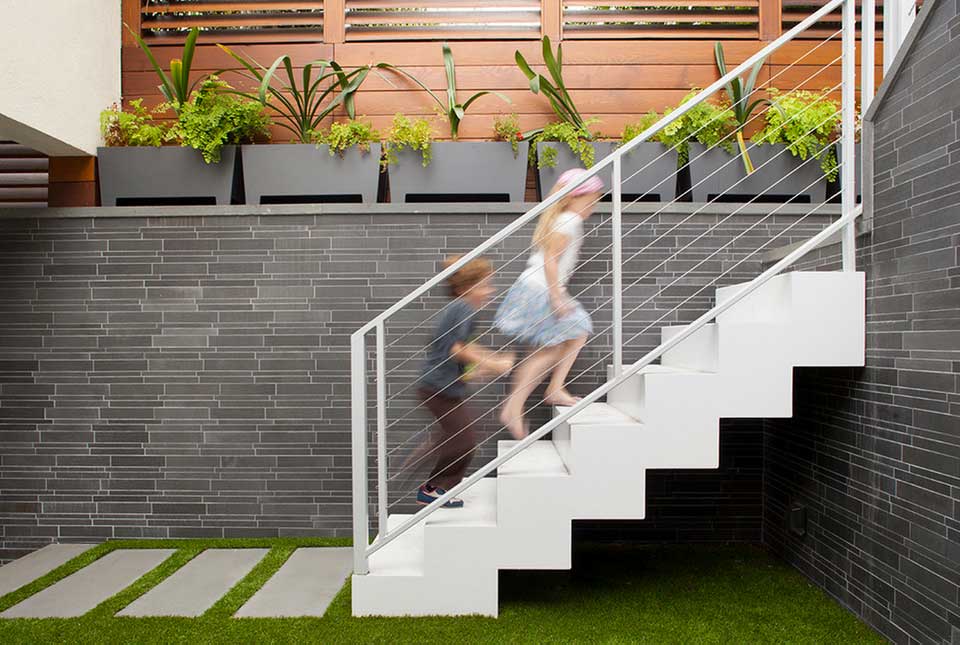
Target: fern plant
x: 406, y: 133
x: 343, y: 135
x: 707, y: 123
x: 580, y: 142
x: 132, y: 127
x: 214, y: 117
x: 806, y: 122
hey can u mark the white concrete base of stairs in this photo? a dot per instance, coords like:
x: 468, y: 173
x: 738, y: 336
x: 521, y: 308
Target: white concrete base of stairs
x: 198, y: 585
x: 80, y: 592
x: 304, y: 586
x: 39, y: 563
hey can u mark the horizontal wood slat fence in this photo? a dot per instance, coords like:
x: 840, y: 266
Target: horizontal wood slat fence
x: 611, y: 78
x: 337, y: 21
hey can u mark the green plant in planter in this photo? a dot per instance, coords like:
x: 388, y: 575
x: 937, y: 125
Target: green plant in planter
x: 452, y: 110
x: 175, y: 87
x: 556, y: 91
x: 213, y: 117
x: 740, y: 91
x: 806, y: 122
x: 507, y: 128
x: 405, y: 133
x: 343, y: 135
x: 707, y: 123
x: 302, y: 100
x: 578, y: 140
x: 133, y: 127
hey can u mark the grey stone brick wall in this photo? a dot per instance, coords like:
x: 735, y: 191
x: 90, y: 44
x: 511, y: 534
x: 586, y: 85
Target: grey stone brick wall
x: 874, y: 454
x: 180, y: 373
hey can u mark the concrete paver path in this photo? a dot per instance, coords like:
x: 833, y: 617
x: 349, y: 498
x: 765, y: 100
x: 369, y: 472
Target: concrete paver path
x: 80, y: 592
x: 304, y: 585
x: 197, y: 585
x: 39, y: 563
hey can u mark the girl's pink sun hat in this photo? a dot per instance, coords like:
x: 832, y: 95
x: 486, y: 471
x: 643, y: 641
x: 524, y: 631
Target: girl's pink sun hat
x: 592, y: 185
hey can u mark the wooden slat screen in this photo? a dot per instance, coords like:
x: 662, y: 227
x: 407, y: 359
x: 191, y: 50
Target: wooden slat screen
x: 794, y: 11
x: 660, y: 19
x: 247, y: 20
x: 23, y: 176
x: 442, y: 19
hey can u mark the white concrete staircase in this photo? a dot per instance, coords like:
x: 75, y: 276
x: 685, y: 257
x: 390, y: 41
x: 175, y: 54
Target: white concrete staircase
x: 666, y: 416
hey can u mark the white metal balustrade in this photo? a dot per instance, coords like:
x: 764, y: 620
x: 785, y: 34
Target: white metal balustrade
x: 845, y: 225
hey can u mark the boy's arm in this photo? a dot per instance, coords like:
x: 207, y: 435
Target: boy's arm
x: 483, y: 357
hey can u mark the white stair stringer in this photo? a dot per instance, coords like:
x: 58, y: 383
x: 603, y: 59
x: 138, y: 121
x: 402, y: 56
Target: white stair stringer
x: 666, y: 416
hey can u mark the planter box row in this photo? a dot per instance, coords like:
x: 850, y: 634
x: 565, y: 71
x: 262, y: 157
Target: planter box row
x: 476, y: 171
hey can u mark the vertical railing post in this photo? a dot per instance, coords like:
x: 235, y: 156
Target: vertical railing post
x: 770, y: 19
x: 334, y: 21
x: 848, y: 187
x: 382, y: 497
x: 868, y: 72
x: 358, y: 402
x: 130, y: 15
x: 617, y: 275
x: 551, y: 19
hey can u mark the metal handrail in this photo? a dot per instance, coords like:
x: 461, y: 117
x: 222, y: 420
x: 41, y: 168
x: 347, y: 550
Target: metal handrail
x: 689, y: 330
x: 363, y: 550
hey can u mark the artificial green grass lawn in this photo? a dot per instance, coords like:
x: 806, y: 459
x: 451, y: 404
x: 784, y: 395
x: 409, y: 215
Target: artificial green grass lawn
x: 615, y: 594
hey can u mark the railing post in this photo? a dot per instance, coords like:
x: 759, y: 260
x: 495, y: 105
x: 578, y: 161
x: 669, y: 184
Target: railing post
x: 382, y: 497
x: 358, y: 399
x: 868, y: 72
x: 617, y: 274
x: 848, y: 187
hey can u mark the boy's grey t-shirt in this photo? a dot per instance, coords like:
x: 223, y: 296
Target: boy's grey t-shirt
x: 440, y: 371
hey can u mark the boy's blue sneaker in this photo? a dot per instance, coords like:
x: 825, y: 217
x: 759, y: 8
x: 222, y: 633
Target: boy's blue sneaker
x: 427, y: 494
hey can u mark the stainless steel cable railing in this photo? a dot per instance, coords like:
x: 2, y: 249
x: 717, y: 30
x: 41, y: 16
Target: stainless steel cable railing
x: 359, y: 383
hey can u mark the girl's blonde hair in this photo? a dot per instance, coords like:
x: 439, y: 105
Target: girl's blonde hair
x: 548, y: 218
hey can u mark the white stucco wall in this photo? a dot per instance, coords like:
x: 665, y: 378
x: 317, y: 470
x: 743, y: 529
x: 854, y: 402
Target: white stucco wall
x: 59, y: 67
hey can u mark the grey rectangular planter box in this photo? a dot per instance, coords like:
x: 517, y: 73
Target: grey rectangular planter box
x: 307, y: 172
x: 833, y: 188
x: 779, y: 176
x: 649, y: 170
x: 479, y: 168
x: 165, y: 173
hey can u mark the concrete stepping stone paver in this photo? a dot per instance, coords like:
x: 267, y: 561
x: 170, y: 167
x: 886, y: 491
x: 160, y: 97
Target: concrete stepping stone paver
x: 80, y: 592
x: 197, y: 585
x: 39, y: 563
x: 303, y: 586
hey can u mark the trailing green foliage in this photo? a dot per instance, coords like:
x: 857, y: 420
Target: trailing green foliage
x: 578, y: 140
x: 175, y: 87
x: 342, y: 135
x: 133, y: 127
x: 556, y: 92
x: 416, y: 135
x: 301, y: 104
x: 806, y: 122
x: 740, y: 91
x: 213, y: 118
x: 507, y: 128
x: 707, y: 123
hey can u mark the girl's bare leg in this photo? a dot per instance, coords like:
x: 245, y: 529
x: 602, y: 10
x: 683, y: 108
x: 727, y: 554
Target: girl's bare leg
x: 556, y: 390
x: 525, y: 380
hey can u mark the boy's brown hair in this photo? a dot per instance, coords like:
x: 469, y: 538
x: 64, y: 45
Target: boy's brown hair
x: 468, y: 276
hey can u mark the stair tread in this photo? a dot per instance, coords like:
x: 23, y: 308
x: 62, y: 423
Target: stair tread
x: 403, y: 556
x: 599, y: 413
x: 479, y: 507
x: 539, y: 460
